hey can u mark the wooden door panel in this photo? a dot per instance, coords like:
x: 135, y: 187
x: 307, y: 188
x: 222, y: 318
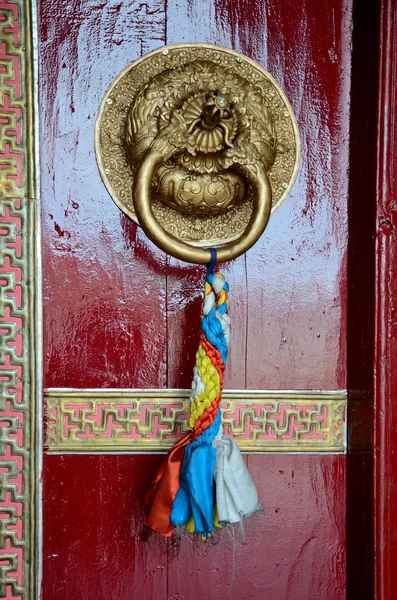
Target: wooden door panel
x: 298, y: 268
x: 94, y: 259
x: 88, y: 551
x: 294, y: 552
x: 118, y: 313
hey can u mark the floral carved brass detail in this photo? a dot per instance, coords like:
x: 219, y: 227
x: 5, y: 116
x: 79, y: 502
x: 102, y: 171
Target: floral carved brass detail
x: 209, y: 111
x: 214, y: 106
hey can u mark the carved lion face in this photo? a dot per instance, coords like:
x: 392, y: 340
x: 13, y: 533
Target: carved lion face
x: 210, y: 109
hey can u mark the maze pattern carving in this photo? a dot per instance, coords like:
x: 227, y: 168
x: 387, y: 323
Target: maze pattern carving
x: 17, y: 384
x: 151, y: 420
x: 15, y: 179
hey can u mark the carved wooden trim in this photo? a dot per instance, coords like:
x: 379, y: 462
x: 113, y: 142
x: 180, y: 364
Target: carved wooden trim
x: 102, y: 420
x: 18, y: 536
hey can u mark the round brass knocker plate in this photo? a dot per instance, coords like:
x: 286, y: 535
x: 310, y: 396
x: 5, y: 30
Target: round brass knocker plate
x: 194, y: 197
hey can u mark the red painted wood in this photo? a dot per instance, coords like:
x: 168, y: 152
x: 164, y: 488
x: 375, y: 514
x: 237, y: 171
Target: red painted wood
x: 119, y: 314
x: 385, y: 446
x: 308, y: 328
x: 298, y: 268
x: 361, y: 279
x: 92, y: 516
x: 104, y: 282
x: 104, y: 304
x: 294, y: 551
x: 91, y: 552
x: 305, y: 244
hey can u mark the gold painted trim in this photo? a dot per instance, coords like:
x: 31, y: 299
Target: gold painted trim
x: 19, y: 443
x: 148, y: 421
x: 16, y: 101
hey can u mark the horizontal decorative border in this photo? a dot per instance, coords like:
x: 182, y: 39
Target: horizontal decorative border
x: 103, y: 420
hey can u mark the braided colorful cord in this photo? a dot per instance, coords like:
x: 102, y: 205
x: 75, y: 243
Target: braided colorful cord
x: 204, y: 482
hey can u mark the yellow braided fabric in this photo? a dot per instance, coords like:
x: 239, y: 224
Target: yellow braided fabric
x: 211, y: 381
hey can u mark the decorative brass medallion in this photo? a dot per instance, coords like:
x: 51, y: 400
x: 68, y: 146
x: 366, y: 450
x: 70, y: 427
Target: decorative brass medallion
x: 217, y: 122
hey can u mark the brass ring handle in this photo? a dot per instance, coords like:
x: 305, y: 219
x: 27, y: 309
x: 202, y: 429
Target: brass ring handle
x: 141, y: 193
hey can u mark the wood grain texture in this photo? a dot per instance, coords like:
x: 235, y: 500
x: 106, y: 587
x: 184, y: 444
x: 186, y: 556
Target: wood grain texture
x: 104, y: 283
x: 297, y: 270
x: 104, y: 304
x: 294, y: 551
x: 93, y: 516
x: 385, y: 444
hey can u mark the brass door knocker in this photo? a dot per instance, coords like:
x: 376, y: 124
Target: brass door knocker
x: 209, y: 144
x: 208, y: 141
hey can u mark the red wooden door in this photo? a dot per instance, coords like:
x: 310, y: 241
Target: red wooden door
x: 118, y: 313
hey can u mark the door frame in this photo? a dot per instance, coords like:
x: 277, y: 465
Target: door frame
x: 385, y: 322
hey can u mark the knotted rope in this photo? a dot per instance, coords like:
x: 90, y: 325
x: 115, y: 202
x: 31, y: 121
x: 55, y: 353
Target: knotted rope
x: 183, y: 491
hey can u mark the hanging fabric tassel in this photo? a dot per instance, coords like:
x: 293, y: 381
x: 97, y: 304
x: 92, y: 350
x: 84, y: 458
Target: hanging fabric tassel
x: 204, y: 482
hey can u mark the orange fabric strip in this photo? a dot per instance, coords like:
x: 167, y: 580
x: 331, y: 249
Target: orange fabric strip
x: 164, y: 488
x: 165, y: 485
